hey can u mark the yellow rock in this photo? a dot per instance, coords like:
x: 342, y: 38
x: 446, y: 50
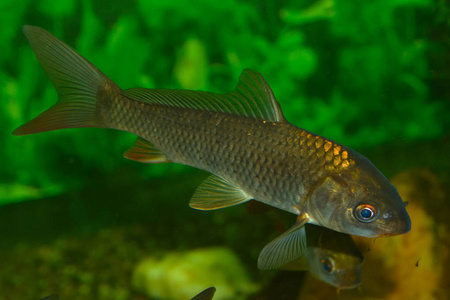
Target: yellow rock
x: 181, y: 275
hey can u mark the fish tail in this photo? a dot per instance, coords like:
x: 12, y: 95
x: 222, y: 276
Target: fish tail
x: 79, y: 85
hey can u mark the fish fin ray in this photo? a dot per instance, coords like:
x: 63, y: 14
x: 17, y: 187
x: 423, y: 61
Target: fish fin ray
x: 252, y: 97
x: 260, y: 98
x: 75, y: 79
x: 215, y: 193
x: 145, y: 152
x: 285, y: 248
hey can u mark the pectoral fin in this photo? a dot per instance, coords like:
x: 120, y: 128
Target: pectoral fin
x: 215, y: 193
x: 285, y: 248
x: 143, y: 151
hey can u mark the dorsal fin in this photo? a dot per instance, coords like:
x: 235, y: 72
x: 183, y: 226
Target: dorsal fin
x: 252, y: 97
x: 256, y: 92
x: 207, y: 294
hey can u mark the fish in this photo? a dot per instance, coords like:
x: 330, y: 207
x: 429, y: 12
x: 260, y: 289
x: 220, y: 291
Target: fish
x: 240, y: 137
x: 330, y: 256
x: 207, y: 294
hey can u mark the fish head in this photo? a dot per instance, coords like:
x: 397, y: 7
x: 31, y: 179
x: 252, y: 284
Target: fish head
x: 358, y: 200
x: 333, y: 257
x: 341, y: 270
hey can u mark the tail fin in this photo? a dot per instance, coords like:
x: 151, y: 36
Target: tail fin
x: 76, y: 81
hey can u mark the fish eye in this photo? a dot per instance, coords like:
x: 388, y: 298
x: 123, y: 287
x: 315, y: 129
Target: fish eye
x: 327, y: 265
x: 366, y: 213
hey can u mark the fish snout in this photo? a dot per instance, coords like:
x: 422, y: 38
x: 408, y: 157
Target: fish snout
x: 405, y: 224
x: 396, y: 223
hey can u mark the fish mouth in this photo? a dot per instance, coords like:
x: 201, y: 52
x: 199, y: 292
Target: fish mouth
x: 407, y: 228
x: 387, y: 234
x: 401, y: 227
x: 406, y: 224
x: 350, y: 280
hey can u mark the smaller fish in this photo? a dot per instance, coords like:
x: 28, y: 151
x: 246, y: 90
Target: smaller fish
x: 331, y: 257
x: 207, y: 294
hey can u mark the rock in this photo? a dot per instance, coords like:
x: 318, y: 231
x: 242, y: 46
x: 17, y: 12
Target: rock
x: 181, y: 275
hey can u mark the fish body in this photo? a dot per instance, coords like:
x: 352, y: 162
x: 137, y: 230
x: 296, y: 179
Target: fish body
x: 240, y: 137
x: 275, y: 163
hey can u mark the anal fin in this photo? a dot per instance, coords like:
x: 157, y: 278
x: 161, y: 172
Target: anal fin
x: 215, y: 193
x: 144, y: 151
x: 285, y: 248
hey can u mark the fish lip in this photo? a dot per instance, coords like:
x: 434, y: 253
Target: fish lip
x: 387, y: 234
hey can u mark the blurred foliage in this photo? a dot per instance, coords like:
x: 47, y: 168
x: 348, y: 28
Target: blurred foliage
x: 354, y: 71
